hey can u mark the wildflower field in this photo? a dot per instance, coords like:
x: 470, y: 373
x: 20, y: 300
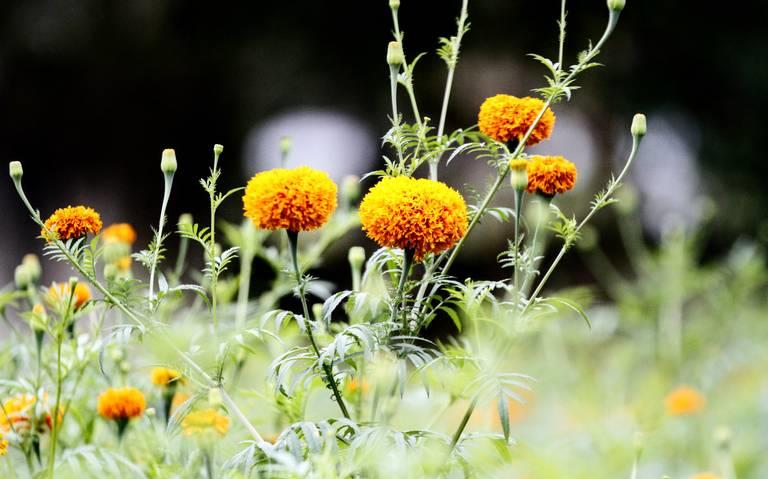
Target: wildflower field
x: 175, y: 360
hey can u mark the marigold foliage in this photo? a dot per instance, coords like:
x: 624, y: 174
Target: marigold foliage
x: 683, y: 401
x: 73, y: 222
x: 550, y: 175
x: 203, y: 421
x: 121, y: 403
x: 299, y: 199
x: 119, y: 233
x: 419, y: 215
x: 166, y: 376
x: 507, y: 117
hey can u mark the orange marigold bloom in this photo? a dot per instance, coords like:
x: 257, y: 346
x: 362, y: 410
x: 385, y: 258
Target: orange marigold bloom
x: 166, y: 376
x: 119, y: 233
x: 684, y: 400
x: 60, y: 292
x: 203, y: 421
x: 18, y: 412
x: 121, y: 403
x: 124, y: 263
x: 355, y: 386
x: 550, y: 174
x: 3, y: 445
x: 506, y: 117
x: 73, y: 222
x: 300, y: 199
x: 420, y: 215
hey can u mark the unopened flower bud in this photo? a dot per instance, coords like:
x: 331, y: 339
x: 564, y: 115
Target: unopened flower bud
x: 215, y: 398
x: 356, y: 257
x: 111, y: 271
x: 317, y: 311
x: 73, y: 282
x: 15, y: 169
x: 116, y: 354
x: 350, y: 188
x: 395, y: 55
x: 218, y: 149
x: 394, y: 4
x: 617, y: 5
x: 185, y: 219
x: 286, y: 143
x: 125, y: 366
x: 115, y: 251
x: 22, y: 277
x: 150, y: 412
x: 518, y: 174
x: 639, y: 125
x: 32, y: 263
x: 168, y: 162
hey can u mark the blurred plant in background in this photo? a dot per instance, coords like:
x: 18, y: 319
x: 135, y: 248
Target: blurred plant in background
x: 194, y: 374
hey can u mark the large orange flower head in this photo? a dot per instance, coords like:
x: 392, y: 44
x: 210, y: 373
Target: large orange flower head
x: 507, y: 117
x: 121, y: 404
x: 683, y: 401
x: 420, y: 215
x: 119, y: 233
x: 549, y: 175
x: 299, y: 199
x: 73, y: 222
x: 205, y: 421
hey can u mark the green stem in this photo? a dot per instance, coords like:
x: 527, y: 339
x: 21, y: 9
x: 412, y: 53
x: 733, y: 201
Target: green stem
x: 400, y: 296
x: 518, y: 210
x: 393, y: 72
x: 463, y: 424
x: 181, y: 258
x: 159, y: 237
x: 246, y: 261
x: 55, y: 412
x: 293, y: 243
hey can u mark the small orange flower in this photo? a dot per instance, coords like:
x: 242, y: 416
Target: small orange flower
x: 204, y: 421
x: 549, y: 175
x: 119, y: 233
x: 59, y: 292
x: 164, y: 377
x: 420, y: 215
x: 506, y: 117
x: 355, y: 386
x: 300, y: 199
x: 73, y: 222
x: 121, y: 404
x: 124, y: 263
x: 683, y: 401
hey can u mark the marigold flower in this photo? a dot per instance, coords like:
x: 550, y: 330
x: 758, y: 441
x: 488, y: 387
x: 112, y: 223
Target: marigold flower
x: 299, y: 199
x: 355, y: 386
x: 203, y: 421
x: 124, y: 263
x: 121, y: 404
x: 3, y: 445
x: 58, y: 292
x: 706, y: 475
x: 73, y: 222
x: 550, y: 174
x: 684, y: 400
x: 166, y: 376
x: 18, y: 412
x: 506, y: 117
x: 420, y: 215
x: 119, y: 233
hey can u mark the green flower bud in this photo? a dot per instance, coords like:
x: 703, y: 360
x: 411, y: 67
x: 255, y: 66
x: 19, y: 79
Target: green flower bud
x: 218, y: 149
x: 150, y: 412
x: 114, y: 251
x: 617, y: 5
x: 185, y: 219
x: 32, y: 264
x: 21, y: 277
x: 286, y: 144
x: 395, y: 55
x: 125, y: 366
x: 394, y: 4
x: 639, y: 125
x: 111, y: 271
x: 215, y: 398
x: 350, y: 188
x: 518, y: 174
x: 15, y: 169
x: 168, y: 162
x: 356, y: 257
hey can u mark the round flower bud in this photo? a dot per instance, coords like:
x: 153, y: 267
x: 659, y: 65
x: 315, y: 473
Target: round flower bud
x: 168, y: 162
x: 186, y: 219
x: 150, y: 412
x: 639, y: 125
x: 356, y: 257
x: 111, y: 271
x: 15, y: 169
x: 218, y: 149
x: 617, y: 5
x: 285, y: 145
x: 518, y: 175
x: 214, y: 397
x: 395, y: 55
x: 32, y: 264
x: 350, y: 188
x: 394, y: 4
x: 22, y: 277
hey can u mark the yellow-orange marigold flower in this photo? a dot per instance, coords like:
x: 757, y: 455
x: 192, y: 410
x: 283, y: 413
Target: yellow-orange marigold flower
x: 355, y: 386
x: 3, y: 445
x: 121, y: 403
x: 124, y: 263
x: 119, y: 233
x: 299, y: 199
x: 684, y: 400
x: 167, y: 376
x: 18, y: 412
x: 60, y: 292
x: 507, y: 117
x: 705, y: 475
x: 206, y: 420
x: 549, y: 175
x: 73, y: 222
x: 420, y: 215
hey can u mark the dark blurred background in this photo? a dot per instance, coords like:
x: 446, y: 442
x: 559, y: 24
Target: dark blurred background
x: 92, y: 91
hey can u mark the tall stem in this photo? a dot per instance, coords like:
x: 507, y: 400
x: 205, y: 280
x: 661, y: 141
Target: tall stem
x: 55, y: 412
x: 159, y: 237
x: 463, y: 424
x: 400, y: 296
x: 293, y: 243
x: 515, y: 274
